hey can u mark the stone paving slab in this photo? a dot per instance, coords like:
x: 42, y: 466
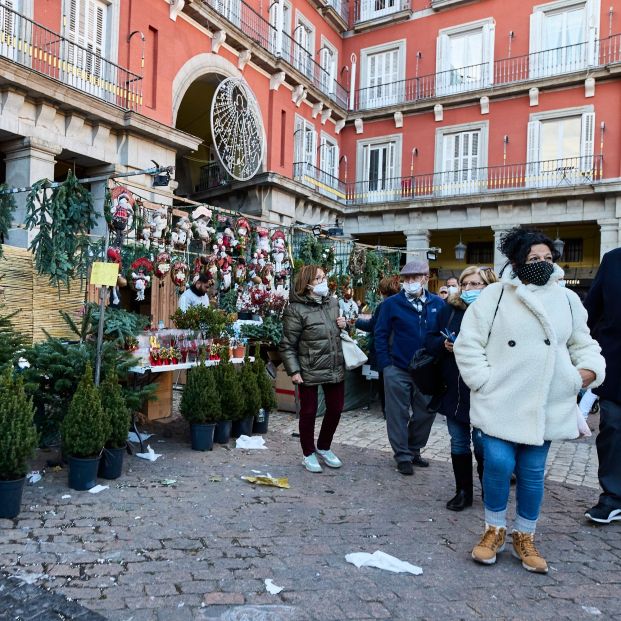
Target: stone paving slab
x: 200, y: 549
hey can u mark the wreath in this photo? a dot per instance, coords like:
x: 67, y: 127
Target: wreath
x: 162, y: 264
x: 357, y: 262
x: 140, y: 272
x: 179, y: 273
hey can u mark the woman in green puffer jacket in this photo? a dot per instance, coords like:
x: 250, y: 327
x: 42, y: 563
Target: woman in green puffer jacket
x: 312, y: 354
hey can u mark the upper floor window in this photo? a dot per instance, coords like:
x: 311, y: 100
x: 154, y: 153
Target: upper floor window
x: 372, y: 9
x: 304, y: 36
x: 563, y: 37
x: 305, y: 142
x: 381, y: 75
x: 230, y: 9
x: 280, y: 19
x: 329, y: 151
x: 328, y: 59
x: 379, y: 169
x: 11, y: 25
x: 465, y: 57
x: 86, y: 26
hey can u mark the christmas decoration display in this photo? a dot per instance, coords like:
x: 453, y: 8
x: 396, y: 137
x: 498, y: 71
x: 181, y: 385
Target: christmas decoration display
x: 179, y: 273
x: 162, y: 264
x: 140, y: 274
x: 121, y: 212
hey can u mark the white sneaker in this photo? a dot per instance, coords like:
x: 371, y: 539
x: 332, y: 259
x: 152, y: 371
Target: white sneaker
x: 311, y: 464
x: 330, y: 459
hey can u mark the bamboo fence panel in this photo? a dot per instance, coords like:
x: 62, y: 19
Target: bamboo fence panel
x: 16, y: 271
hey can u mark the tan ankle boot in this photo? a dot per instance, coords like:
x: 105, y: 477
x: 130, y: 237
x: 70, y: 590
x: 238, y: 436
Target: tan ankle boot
x: 492, y: 542
x: 524, y: 549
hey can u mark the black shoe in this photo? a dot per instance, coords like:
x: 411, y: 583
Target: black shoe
x: 603, y: 514
x: 460, y: 501
x: 405, y: 467
x: 417, y: 460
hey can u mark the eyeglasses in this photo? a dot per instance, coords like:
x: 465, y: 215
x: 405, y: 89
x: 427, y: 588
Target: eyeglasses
x: 472, y: 285
x: 319, y: 280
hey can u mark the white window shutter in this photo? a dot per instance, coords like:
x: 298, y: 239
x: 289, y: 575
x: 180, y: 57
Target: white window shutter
x: 442, y: 54
x: 299, y: 139
x: 532, y: 153
x: 536, y: 60
x: 390, y: 169
x: 592, y: 18
x: 7, y: 17
x: 489, y: 32
x: 587, y: 138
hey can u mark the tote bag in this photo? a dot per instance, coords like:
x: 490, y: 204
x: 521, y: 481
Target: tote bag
x: 353, y: 355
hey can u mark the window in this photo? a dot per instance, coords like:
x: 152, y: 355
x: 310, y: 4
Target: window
x: 10, y: 27
x: 280, y: 19
x: 230, y: 9
x: 461, y: 158
x: 329, y: 161
x: 379, y: 169
x: 480, y: 253
x: 382, y: 71
x: 563, y: 37
x: 305, y: 147
x: 328, y: 60
x: 372, y: 9
x: 465, y: 58
x: 560, y: 148
x: 573, y: 252
x: 304, y: 48
x: 86, y: 27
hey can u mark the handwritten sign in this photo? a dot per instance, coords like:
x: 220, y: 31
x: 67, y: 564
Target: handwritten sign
x: 104, y: 274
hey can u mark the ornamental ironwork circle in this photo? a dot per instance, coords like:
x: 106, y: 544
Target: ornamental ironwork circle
x: 237, y: 129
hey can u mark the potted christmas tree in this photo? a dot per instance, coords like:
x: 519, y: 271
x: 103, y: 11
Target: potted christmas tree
x: 200, y: 406
x: 242, y: 424
x: 84, y: 431
x: 119, y: 417
x: 268, y: 396
x: 231, y: 397
x: 18, y: 440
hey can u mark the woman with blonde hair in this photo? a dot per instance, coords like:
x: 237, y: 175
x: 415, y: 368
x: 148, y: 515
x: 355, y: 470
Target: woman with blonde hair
x: 455, y: 404
x: 313, y: 356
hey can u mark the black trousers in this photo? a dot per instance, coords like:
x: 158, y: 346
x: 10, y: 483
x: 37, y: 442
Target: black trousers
x: 608, y: 444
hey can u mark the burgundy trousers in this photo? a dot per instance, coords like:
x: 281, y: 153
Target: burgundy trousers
x: 334, y: 396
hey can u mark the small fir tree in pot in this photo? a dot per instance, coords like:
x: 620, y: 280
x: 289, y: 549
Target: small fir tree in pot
x: 231, y: 396
x: 252, y: 400
x: 268, y: 395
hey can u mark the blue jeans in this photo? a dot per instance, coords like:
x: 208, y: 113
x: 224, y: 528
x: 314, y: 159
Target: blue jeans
x: 460, y: 437
x: 502, y: 459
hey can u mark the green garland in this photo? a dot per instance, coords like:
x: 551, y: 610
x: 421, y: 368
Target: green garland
x: 63, y: 216
x: 7, y: 207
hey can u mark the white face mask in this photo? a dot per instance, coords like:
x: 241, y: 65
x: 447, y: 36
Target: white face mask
x: 452, y: 290
x: 321, y: 289
x: 412, y: 288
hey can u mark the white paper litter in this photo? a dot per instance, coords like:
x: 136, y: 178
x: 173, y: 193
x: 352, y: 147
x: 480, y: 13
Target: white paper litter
x: 133, y: 436
x: 33, y: 477
x: 65, y: 496
x: 150, y: 455
x: 271, y: 587
x: 591, y: 610
x: 28, y: 578
x: 98, y: 488
x: 381, y: 560
x: 250, y: 442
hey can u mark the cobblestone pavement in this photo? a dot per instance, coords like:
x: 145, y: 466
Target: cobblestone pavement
x: 201, y: 548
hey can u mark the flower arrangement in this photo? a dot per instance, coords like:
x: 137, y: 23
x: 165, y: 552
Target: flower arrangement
x: 206, y: 319
x: 130, y: 343
x: 276, y: 303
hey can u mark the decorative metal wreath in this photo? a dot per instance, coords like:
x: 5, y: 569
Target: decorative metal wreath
x: 237, y: 129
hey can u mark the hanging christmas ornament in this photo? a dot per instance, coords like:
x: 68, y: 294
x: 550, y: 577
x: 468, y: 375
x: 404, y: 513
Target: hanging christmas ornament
x: 114, y: 254
x: 179, y: 273
x: 162, y: 264
x: 140, y: 272
x: 121, y: 212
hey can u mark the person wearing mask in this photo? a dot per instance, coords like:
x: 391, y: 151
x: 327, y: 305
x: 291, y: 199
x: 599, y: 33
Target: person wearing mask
x: 313, y: 356
x: 525, y: 351
x: 455, y: 404
x: 452, y: 284
x: 400, y: 331
x: 603, y: 303
x: 197, y: 293
x: 388, y: 286
x: 443, y: 292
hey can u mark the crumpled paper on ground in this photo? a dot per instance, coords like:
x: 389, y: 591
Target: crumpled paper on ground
x: 250, y: 442
x: 381, y: 560
x: 132, y: 436
x: 98, y: 488
x: 272, y: 588
x: 33, y: 477
x: 267, y: 480
x: 150, y: 455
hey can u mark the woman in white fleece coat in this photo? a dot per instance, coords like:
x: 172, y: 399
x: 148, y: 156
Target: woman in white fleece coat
x: 525, y: 351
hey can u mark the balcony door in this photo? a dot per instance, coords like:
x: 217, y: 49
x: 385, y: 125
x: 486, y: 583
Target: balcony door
x: 373, y: 9
x: 382, y: 79
x: 11, y: 29
x: 379, y: 172
x: 303, y: 56
x: 280, y: 33
x: 305, y: 149
x: 461, y: 161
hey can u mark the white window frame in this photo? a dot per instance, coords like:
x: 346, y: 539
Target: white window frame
x: 279, y: 45
x: 473, y: 185
x: 445, y: 84
x: 369, y: 11
x: 328, y: 56
x: 301, y: 127
x: 362, y: 182
x: 325, y: 142
x: 544, y: 62
x: 304, y: 64
x: 388, y: 95
x: 570, y: 172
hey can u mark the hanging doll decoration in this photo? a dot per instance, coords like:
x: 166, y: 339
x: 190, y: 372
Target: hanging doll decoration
x: 140, y: 273
x: 243, y: 230
x: 230, y: 242
x: 226, y: 275
x: 279, y: 249
x: 121, y: 213
x: 201, y: 219
x: 162, y: 264
x: 159, y: 224
x: 182, y: 234
x: 267, y: 277
x: 263, y: 240
x: 240, y: 272
x: 179, y: 273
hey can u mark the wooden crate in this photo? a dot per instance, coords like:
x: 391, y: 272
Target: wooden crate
x: 162, y: 407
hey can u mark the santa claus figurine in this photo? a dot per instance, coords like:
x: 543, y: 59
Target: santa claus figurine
x: 243, y: 231
x: 121, y: 212
x: 279, y: 249
x: 240, y: 272
x: 267, y: 277
x: 226, y: 275
x: 263, y: 240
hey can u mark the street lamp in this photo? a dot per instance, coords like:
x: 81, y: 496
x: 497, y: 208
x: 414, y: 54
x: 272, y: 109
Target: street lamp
x: 559, y: 245
x: 460, y: 250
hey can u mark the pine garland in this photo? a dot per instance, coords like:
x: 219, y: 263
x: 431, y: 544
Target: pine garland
x: 7, y: 207
x: 63, y: 216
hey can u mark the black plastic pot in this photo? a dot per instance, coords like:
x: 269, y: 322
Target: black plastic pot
x: 82, y: 472
x: 202, y: 436
x: 242, y: 427
x: 111, y: 463
x: 222, y: 433
x: 11, y: 497
x: 261, y: 421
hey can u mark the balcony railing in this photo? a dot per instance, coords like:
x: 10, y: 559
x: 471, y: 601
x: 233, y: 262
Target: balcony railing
x: 341, y: 7
x: 366, y: 10
x: 322, y: 181
x: 27, y: 43
x: 559, y: 173
x: 279, y: 44
x: 212, y: 176
x: 548, y: 63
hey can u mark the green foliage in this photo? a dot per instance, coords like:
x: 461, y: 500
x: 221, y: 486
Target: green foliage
x: 270, y: 331
x: 313, y: 252
x: 63, y: 216
x: 18, y: 436
x: 228, y: 301
x: 86, y: 427
x: 11, y: 341
x: 116, y: 410
x: 231, y: 396
x: 7, y: 207
x: 200, y: 401
x: 208, y: 319
x: 266, y: 388
x: 118, y: 323
x: 250, y: 389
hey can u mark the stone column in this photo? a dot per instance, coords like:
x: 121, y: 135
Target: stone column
x: 416, y: 243
x: 610, y: 235
x: 98, y: 193
x: 27, y: 160
x: 499, y: 258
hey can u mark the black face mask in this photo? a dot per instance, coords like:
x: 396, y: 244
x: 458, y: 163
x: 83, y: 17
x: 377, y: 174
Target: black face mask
x: 535, y: 273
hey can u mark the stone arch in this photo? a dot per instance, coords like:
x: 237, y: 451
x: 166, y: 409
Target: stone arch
x: 193, y: 69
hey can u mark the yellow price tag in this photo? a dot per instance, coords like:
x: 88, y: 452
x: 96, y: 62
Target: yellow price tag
x: 104, y: 274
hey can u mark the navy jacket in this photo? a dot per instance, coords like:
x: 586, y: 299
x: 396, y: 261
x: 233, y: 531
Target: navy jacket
x: 400, y: 331
x: 603, y: 304
x: 456, y: 400
x: 368, y: 325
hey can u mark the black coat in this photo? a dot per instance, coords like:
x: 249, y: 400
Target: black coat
x: 603, y: 304
x: 456, y: 399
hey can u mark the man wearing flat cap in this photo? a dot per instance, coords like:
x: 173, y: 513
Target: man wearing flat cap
x: 400, y: 332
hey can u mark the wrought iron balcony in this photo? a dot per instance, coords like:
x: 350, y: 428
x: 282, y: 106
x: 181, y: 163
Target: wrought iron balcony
x: 322, y: 181
x: 367, y: 10
x: 45, y: 51
x: 547, y: 174
x: 280, y: 45
x: 341, y: 7
x: 212, y: 176
x: 505, y: 71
